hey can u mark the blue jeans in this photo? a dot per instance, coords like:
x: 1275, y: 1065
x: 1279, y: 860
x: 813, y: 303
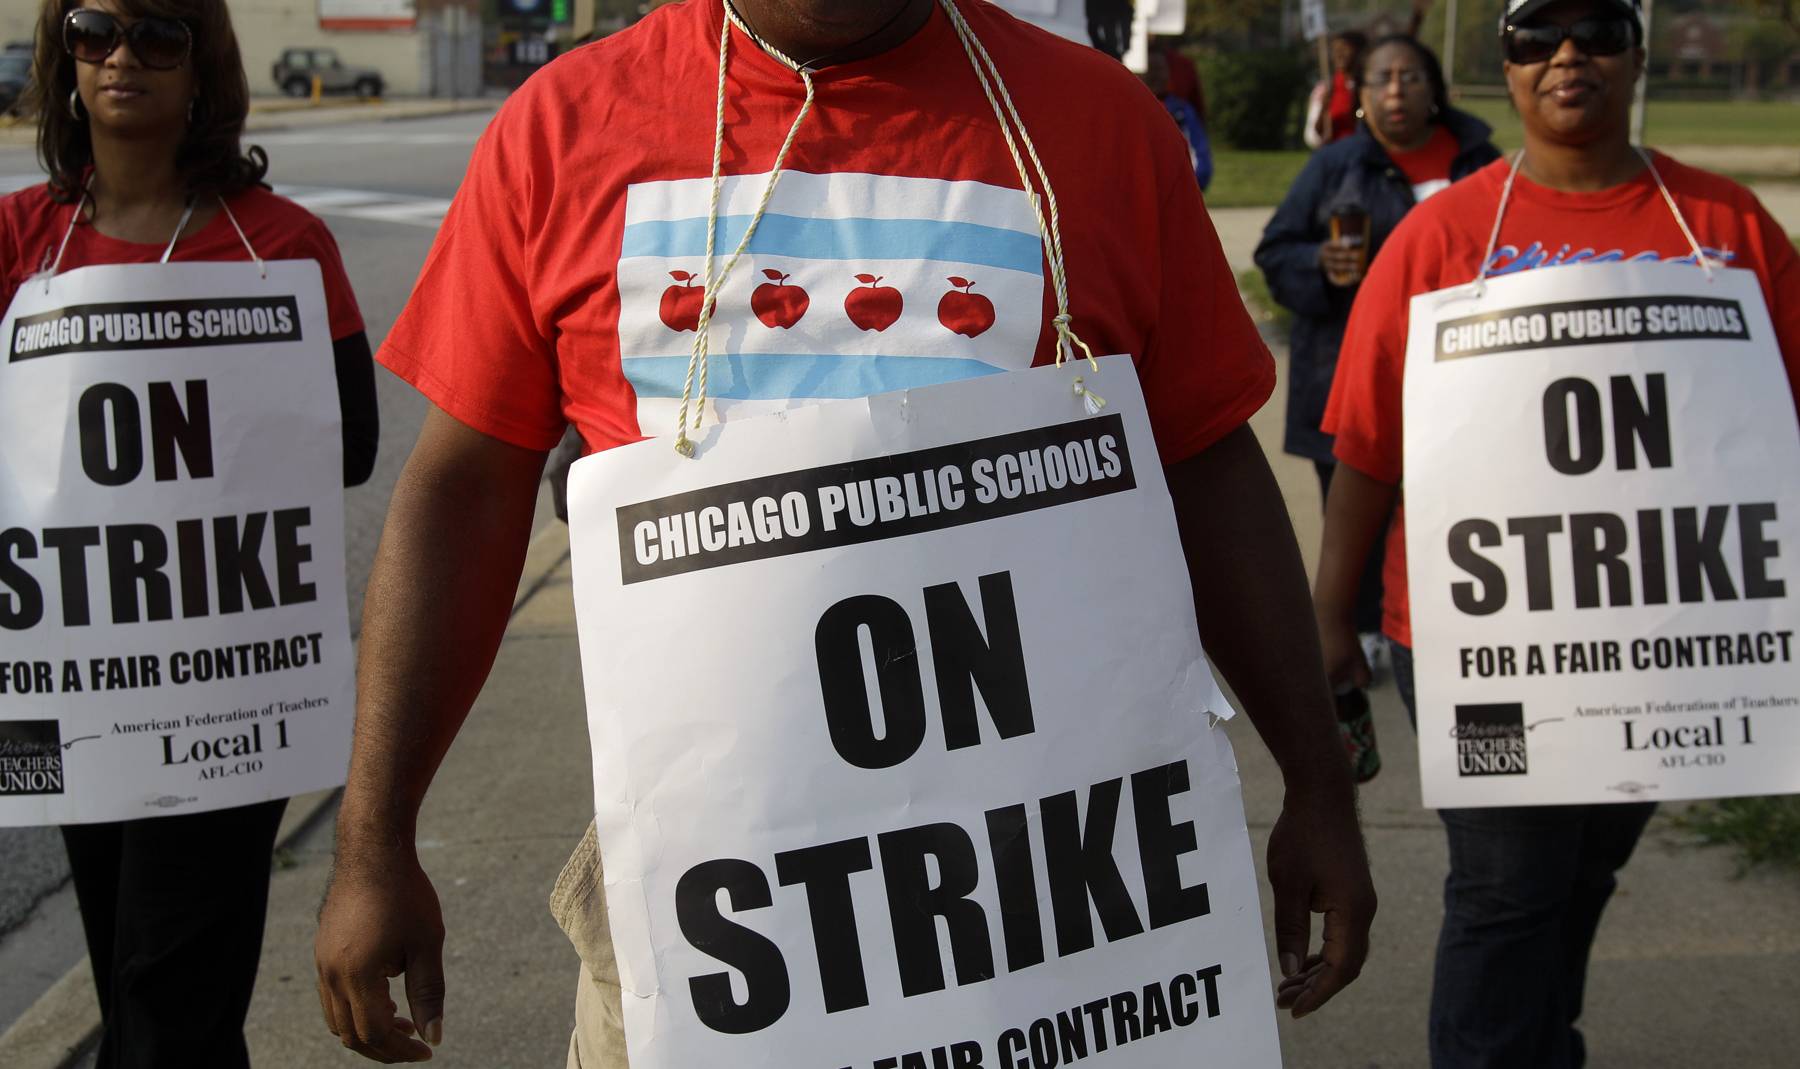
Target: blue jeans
x: 1522, y: 901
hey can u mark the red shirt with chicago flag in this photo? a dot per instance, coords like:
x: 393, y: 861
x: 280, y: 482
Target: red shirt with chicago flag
x: 898, y: 250
x: 1440, y: 244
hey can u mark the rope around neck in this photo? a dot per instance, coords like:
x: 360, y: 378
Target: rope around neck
x: 698, y: 359
x: 1700, y: 256
x: 994, y: 87
x: 1487, y: 258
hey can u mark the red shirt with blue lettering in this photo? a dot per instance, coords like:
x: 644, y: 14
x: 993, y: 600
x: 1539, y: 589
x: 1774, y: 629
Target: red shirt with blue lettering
x: 1440, y: 244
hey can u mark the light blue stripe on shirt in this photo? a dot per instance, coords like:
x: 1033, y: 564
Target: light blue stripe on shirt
x: 777, y: 376
x: 843, y: 239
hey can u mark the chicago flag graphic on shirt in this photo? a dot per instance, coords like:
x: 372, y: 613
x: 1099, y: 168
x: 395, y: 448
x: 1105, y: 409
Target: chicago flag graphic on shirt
x: 854, y: 284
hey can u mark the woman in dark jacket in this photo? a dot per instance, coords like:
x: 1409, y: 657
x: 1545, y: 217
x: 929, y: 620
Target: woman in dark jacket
x: 1408, y: 144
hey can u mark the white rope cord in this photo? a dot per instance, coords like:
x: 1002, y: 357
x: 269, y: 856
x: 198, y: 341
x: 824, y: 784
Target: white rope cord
x: 699, y: 358
x: 994, y: 87
x: 1499, y: 216
x: 187, y: 213
x: 249, y: 248
x: 985, y: 68
x: 55, y: 265
x: 1700, y: 256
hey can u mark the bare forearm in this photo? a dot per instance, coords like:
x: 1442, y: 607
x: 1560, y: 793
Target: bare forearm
x: 437, y: 606
x: 1251, y: 601
x: 1356, y: 514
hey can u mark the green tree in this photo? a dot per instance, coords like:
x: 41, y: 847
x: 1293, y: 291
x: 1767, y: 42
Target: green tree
x: 1216, y: 24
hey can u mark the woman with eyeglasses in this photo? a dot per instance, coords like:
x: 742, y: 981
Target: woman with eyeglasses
x: 1409, y: 144
x: 140, y: 107
x: 1527, y: 885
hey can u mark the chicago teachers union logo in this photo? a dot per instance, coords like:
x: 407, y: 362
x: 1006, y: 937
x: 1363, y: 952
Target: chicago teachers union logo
x: 31, y: 757
x: 1490, y: 740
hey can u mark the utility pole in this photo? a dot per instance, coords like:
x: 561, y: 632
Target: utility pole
x: 1450, y: 45
x: 1640, y: 101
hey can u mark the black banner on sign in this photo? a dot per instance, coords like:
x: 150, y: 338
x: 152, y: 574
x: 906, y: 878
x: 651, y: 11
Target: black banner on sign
x: 1597, y: 322
x: 31, y: 753
x: 176, y: 324
x: 869, y: 500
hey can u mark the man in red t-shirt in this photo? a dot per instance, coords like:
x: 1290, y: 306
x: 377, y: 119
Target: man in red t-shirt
x: 559, y: 292
x: 1526, y: 886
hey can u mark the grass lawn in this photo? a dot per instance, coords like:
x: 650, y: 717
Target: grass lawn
x: 1675, y: 122
x: 1259, y: 179
x: 1252, y: 179
x: 1763, y: 831
x: 1261, y: 304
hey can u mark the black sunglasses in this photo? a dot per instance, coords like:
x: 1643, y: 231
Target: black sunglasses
x: 1609, y: 36
x: 159, y: 44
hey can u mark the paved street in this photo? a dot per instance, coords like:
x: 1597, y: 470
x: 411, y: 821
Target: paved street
x: 382, y: 187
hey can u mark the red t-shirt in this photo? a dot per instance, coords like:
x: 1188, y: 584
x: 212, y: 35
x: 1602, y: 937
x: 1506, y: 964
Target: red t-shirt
x: 1340, y: 108
x: 1428, y: 166
x: 32, y: 226
x: 1440, y: 244
x: 561, y: 287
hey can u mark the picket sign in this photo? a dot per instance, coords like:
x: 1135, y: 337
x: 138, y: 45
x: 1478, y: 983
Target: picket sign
x: 172, y: 607
x: 1602, y: 524
x: 903, y: 740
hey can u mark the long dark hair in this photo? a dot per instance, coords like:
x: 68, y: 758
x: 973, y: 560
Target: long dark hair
x: 1434, y: 71
x: 211, y: 158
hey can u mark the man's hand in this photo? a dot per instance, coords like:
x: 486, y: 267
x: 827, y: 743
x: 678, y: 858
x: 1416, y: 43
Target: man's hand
x: 438, y: 601
x: 372, y: 927
x: 1317, y: 865
x: 1255, y: 621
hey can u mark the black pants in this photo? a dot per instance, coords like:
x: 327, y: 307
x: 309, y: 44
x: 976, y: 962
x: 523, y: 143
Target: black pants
x: 1369, y: 588
x: 173, y: 909
x: 1523, y: 899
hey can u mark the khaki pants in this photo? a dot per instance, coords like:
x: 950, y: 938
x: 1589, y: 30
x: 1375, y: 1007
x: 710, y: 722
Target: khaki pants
x: 579, y: 907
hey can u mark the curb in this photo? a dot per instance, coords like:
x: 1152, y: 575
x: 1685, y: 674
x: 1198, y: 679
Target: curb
x: 284, y: 119
x: 276, y: 120
x: 64, y: 1023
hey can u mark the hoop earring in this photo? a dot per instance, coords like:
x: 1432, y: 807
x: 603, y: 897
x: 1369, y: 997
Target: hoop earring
x: 75, y: 105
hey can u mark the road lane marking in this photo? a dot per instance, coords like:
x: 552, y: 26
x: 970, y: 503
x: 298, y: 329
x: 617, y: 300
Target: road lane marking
x: 403, y: 209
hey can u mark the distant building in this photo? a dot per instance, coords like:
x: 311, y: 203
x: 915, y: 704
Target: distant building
x: 1723, y: 54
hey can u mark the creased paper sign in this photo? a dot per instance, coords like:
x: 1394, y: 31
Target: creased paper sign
x: 173, y: 630
x: 902, y: 746
x: 1602, y: 527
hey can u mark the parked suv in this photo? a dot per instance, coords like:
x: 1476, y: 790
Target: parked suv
x: 295, y: 70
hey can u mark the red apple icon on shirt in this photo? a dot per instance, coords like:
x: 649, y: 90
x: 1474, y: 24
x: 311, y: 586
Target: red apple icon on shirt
x: 680, y: 308
x: 965, y: 313
x: 778, y: 304
x: 873, y: 306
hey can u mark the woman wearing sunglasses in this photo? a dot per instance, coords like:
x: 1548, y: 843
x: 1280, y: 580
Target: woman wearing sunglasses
x: 1527, y: 885
x: 140, y: 106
